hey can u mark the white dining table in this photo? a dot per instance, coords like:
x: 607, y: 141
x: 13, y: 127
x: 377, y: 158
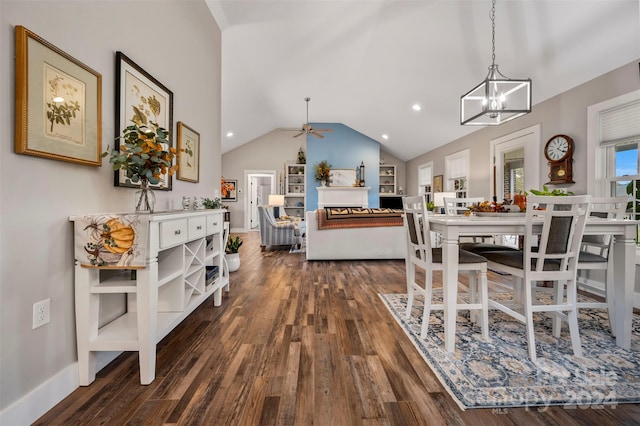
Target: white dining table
x: 451, y: 228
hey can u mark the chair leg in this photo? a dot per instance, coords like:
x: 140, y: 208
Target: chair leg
x: 411, y: 273
x: 428, y: 293
x: 528, y: 317
x: 558, y: 297
x: 573, y: 318
x: 484, y: 299
x: 473, y: 294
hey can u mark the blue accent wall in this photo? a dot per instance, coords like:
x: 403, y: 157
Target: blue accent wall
x: 344, y: 148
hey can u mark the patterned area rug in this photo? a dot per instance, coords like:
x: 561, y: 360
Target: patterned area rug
x: 499, y: 374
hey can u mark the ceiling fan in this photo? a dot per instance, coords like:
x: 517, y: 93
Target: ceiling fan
x: 306, y: 127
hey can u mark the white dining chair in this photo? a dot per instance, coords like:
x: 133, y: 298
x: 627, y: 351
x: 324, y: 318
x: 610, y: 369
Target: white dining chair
x: 421, y: 255
x: 548, y: 255
x: 595, y: 255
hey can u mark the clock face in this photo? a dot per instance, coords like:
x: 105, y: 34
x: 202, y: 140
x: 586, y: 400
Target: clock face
x: 557, y: 148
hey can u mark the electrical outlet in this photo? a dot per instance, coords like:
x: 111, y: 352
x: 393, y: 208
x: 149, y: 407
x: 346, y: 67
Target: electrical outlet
x: 41, y: 313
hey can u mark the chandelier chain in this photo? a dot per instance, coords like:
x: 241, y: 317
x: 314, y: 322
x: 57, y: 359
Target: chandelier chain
x: 493, y: 33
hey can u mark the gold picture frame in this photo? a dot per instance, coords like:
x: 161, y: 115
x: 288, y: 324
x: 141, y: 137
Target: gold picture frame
x: 437, y: 183
x: 58, y: 103
x: 142, y: 99
x: 188, y: 153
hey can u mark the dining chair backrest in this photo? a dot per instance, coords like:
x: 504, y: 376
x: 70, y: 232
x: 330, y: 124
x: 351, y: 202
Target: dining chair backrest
x: 563, y: 222
x: 416, y: 224
x: 453, y: 206
x: 606, y: 208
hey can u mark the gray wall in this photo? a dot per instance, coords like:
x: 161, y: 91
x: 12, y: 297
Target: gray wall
x: 179, y: 44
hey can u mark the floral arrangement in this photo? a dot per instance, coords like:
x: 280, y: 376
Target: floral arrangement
x: 226, y: 187
x: 323, y: 171
x: 145, y: 154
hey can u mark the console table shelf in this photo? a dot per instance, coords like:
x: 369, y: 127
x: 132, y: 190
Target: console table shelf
x: 159, y: 295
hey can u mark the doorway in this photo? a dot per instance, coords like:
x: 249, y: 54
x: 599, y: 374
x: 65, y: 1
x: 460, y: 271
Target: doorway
x: 516, y: 163
x: 260, y: 184
x: 516, y: 168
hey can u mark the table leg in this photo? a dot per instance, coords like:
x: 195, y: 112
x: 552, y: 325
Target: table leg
x: 624, y: 253
x: 450, y: 289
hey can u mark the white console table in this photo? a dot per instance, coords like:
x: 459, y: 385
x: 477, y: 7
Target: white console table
x: 160, y: 294
x: 343, y: 196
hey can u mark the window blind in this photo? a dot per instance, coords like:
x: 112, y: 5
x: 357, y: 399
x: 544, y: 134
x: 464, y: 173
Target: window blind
x: 620, y: 125
x: 424, y: 176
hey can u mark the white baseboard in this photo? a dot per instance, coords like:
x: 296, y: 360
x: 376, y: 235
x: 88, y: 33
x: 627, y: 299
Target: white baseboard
x: 33, y: 405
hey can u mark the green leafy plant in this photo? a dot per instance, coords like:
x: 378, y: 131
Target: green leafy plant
x: 545, y: 191
x: 144, y: 154
x: 216, y: 203
x: 431, y: 206
x: 233, y: 244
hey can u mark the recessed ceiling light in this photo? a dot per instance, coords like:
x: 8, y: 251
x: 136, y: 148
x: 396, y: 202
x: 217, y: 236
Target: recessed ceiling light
x: 229, y: 134
x: 416, y: 107
x: 385, y: 136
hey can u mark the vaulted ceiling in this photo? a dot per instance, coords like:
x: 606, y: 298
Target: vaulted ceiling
x: 365, y: 63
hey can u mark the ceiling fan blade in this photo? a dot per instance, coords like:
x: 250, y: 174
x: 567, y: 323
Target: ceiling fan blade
x: 301, y: 133
x: 323, y: 130
x: 317, y: 135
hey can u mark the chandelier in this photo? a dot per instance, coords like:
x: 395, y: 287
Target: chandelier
x: 497, y: 99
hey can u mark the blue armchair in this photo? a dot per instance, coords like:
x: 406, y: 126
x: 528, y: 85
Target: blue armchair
x: 272, y: 232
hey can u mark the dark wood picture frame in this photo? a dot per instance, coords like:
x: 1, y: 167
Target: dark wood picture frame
x: 143, y: 99
x: 58, y: 109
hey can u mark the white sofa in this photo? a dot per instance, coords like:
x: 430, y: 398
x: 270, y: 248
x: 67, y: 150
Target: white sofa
x: 383, y: 242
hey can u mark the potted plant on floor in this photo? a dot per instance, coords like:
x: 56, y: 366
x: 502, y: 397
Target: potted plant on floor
x: 232, y: 256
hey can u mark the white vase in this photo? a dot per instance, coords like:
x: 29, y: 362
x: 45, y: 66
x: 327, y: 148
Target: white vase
x: 233, y: 261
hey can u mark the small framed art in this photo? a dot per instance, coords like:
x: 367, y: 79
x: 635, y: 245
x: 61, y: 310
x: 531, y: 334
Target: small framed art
x: 228, y: 190
x: 437, y: 183
x: 188, y: 153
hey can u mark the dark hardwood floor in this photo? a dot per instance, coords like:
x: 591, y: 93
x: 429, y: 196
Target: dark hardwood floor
x: 295, y: 343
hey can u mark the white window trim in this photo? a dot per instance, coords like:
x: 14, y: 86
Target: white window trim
x: 596, y: 183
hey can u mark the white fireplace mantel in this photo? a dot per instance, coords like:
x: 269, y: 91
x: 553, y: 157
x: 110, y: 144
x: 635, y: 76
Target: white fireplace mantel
x: 343, y: 196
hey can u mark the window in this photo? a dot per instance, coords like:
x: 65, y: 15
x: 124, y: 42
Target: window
x: 456, y: 170
x: 425, y: 180
x: 614, y: 139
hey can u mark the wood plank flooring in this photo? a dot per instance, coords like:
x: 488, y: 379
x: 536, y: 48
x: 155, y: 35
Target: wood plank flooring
x: 295, y: 343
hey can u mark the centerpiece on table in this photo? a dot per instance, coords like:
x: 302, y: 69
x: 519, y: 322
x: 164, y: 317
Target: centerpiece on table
x: 323, y: 172
x: 145, y: 156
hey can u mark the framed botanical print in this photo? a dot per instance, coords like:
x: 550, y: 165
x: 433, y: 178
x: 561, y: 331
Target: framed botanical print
x: 58, y: 103
x: 143, y: 100
x: 188, y: 153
